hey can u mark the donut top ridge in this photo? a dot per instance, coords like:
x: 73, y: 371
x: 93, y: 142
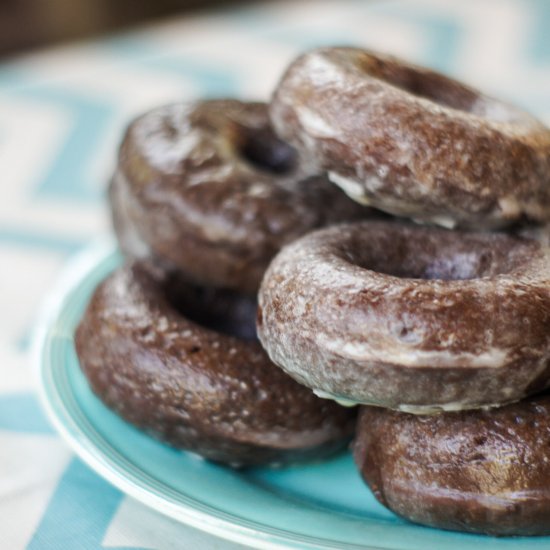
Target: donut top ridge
x: 386, y: 74
x: 186, y: 134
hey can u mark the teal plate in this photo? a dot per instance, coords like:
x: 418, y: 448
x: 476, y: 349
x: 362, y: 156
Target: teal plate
x: 323, y: 505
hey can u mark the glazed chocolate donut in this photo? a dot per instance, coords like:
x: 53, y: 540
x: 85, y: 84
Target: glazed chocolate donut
x: 478, y: 471
x: 206, y: 187
x: 170, y: 358
x: 412, y: 318
x: 413, y: 142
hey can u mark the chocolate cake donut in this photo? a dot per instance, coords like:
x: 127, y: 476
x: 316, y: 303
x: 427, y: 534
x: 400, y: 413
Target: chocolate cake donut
x: 414, y: 318
x: 413, y: 142
x: 207, y: 187
x: 183, y: 363
x: 478, y: 471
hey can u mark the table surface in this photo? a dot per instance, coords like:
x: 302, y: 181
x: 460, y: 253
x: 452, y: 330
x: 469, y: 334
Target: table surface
x: 61, y: 116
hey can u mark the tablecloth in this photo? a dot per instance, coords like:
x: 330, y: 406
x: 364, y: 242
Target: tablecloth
x: 61, y: 116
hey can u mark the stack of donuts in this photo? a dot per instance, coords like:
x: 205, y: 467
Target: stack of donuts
x: 384, y: 226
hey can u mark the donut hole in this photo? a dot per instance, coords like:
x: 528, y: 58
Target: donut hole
x: 433, y: 254
x: 459, y: 266
x: 422, y: 83
x: 261, y: 149
x: 218, y: 310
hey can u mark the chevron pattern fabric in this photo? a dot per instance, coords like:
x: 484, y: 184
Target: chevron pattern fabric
x: 61, y: 116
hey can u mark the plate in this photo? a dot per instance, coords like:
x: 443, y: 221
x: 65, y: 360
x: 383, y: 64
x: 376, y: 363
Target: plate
x: 321, y: 505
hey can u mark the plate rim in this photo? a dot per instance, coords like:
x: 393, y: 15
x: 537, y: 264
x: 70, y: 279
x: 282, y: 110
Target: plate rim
x: 256, y: 535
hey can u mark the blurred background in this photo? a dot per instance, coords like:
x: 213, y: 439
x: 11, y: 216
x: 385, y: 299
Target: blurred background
x: 27, y: 24
x: 73, y: 73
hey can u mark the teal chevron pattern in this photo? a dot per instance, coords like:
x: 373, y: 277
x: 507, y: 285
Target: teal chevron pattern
x: 61, y: 116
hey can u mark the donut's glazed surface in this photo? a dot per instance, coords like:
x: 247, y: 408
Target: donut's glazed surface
x: 408, y: 317
x: 413, y: 142
x: 208, y: 188
x: 183, y: 363
x: 478, y: 471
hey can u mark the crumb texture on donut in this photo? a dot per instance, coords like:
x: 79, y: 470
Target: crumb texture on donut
x: 477, y: 471
x: 410, y: 318
x: 183, y: 363
x: 413, y: 142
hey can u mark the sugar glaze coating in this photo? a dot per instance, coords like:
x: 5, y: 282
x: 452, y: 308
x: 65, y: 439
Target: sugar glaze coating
x: 207, y: 187
x: 477, y: 471
x: 408, y: 317
x: 199, y: 388
x: 413, y: 142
